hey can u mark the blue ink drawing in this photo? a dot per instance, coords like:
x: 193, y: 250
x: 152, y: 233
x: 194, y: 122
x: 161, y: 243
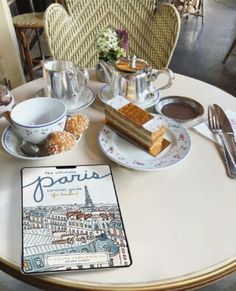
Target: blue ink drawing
x: 73, y: 236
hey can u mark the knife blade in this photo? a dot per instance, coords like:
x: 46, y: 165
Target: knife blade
x: 227, y: 129
x: 225, y: 123
x: 231, y: 168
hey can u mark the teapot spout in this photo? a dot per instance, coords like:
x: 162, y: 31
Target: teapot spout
x: 104, y: 72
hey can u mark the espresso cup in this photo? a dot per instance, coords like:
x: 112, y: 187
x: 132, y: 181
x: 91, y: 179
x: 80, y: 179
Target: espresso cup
x: 34, y: 119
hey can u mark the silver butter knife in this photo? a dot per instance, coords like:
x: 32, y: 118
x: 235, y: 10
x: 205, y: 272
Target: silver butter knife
x: 227, y: 131
x: 229, y: 163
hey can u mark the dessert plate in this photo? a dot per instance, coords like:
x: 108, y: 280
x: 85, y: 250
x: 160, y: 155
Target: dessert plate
x: 86, y: 99
x: 128, y: 155
x: 12, y: 144
x: 105, y: 95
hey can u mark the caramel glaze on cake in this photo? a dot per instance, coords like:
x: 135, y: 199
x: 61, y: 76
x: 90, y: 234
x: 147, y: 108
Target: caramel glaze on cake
x: 135, y: 124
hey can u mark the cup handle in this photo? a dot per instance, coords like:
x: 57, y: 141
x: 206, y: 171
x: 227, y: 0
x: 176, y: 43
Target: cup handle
x: 154, y: 75
x: 78, y: 85
x: 85, y: 75
x: 7, y: 115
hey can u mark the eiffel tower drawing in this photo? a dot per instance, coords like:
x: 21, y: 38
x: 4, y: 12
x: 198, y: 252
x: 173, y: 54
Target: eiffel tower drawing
x: 88, y: 200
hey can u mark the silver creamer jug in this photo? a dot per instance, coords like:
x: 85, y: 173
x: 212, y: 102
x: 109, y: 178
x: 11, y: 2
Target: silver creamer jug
x: 64, y: 80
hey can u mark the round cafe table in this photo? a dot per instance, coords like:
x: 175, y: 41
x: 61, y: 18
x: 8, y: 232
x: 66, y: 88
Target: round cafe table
x: 180, y: 221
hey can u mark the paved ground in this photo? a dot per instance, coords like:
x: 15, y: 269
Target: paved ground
x: 201, y: 49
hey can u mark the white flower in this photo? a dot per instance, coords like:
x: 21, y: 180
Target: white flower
x: 108, y: 45
x: 107, y: 40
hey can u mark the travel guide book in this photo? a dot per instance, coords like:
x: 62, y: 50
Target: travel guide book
x: 71, y: 220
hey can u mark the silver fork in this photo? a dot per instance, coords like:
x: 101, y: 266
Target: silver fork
x: 214, y: 125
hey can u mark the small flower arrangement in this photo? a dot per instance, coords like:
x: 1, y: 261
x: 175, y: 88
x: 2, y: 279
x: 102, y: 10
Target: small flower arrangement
x: 112, y: 44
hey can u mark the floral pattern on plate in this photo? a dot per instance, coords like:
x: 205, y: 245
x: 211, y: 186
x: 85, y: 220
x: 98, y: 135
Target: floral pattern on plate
x: 128, y: 155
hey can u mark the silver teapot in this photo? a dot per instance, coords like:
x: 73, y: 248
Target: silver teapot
x: 133, y: 78
x: 64, y: 80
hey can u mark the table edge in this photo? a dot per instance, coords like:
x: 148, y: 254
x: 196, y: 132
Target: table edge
x: 192, y: 280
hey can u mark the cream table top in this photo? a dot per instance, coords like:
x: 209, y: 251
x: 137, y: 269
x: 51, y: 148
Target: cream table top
x: 180, y: 221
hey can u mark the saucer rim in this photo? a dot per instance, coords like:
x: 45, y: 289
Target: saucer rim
x: 143, y: 105
x: 85, y: 105
x: 181, y: 99
x: 21, y: 155
x: 71, y: 111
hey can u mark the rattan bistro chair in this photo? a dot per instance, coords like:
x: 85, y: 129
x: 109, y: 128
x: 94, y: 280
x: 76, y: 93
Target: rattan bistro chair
x: 26, y: 25
x: 190, y: 7
x: 153, y: 33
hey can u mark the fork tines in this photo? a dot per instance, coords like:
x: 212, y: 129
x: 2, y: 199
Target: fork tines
x: 215, y: 127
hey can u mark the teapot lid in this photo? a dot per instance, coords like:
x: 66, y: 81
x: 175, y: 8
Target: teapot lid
x: 131, y: 65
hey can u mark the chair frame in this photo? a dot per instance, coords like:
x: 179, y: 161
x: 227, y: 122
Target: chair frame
x: 143, y: 43
x: 233, y: 46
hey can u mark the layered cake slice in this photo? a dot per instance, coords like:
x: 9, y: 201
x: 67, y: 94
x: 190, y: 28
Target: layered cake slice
x: 135, y: 124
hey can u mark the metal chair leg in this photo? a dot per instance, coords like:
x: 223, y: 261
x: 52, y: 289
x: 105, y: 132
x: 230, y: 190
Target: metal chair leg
x: 229, y: 51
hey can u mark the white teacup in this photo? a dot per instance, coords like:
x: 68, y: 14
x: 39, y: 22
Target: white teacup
x: 34, y: 119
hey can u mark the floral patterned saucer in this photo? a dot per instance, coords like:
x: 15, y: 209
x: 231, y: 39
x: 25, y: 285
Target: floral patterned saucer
x: 128, y: 155
x: 12, y: 145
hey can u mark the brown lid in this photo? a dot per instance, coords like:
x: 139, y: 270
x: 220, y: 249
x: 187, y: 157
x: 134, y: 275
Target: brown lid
x: 131, y: 65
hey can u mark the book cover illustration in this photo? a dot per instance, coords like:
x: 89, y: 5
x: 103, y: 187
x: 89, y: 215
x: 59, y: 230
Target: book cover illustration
x: 71, y: 220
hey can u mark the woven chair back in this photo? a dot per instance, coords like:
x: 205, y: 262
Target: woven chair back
x: 153, y: 33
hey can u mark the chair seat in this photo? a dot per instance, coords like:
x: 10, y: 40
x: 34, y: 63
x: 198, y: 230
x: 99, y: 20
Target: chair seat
x: 29, y: 20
